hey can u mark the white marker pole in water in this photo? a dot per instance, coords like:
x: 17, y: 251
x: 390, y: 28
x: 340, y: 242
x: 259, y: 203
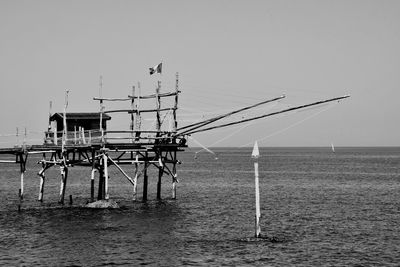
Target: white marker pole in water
x: 255, y: 155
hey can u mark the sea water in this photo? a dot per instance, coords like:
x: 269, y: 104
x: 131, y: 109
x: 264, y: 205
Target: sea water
x: 318, y: 208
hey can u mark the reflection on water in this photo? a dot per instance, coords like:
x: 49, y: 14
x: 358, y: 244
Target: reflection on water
x: 318, y: 208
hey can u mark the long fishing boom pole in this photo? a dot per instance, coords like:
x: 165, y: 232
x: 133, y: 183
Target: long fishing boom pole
x: 265, y: 115
x: 200, y: 124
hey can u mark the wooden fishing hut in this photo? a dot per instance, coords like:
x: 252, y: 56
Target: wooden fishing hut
x: 82, y: 139
x: 82, y: 127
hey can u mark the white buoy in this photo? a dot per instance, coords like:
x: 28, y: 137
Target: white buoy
x: 255, y: 155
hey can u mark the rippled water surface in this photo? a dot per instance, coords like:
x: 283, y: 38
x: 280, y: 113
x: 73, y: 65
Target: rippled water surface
x: 318, y: 208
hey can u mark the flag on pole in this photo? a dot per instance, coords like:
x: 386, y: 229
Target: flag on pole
x: 156, y: 69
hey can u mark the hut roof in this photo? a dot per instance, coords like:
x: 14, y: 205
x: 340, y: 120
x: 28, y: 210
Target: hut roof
x: 80, y: 116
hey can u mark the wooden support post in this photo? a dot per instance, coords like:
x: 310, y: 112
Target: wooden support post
x: 160, y: 173
x: 132, y: 114
x: 83, y: 136
x: 174, y: 187
x: 137, y: 118
x: 22, y: 186
x: 17, y: 139
x: 42, y: 179
x: 64, y: 176
x: 19, y: 205
x: 175, y: 126
x: 22, y: 170
x: 55, y: 134
x: 24, y: 142
x: 41, y: 188
x: 145, y: 179
x: 174, y: 178
x: 75, y: 134
x: 135, y: 179
x: 101, y: 181
x: 101, y: 108
x: 92, y: 175
x: 105, y: 162
x: 65, y: 128
x: 158, y: 116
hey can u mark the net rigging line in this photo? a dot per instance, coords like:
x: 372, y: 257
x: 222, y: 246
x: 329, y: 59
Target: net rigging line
x: 204, y: 147
x: 196, y: 130
x: 205, y: 91
x: 193, y: 128
x: 215, y: 101
x: 226, y: 137
x: 238, y: 130
x: 289, y: 127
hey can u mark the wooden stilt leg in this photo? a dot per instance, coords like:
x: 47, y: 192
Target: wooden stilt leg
x: 101, y: 181
x: 105, y: 161
x: 21, y: 195
x: 92, y: 176
x: 135, y: 179
x: 92, y: 185
x: 174, y: 188
x: 22, y: 169
x: 103, y: 186
x: 174, y: 179
x: 42, y: 179
x: 41, y: 188
x: 160, y: 173
x: 145, y: 181
x: 64, y: 175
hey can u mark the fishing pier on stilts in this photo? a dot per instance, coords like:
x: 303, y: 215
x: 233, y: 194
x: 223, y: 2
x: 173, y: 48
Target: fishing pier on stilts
x: 68, y: 143
x: 82, y: 139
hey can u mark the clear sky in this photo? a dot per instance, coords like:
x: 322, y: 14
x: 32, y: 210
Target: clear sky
x: 228, y: 54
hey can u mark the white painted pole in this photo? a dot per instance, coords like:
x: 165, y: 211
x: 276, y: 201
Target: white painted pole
x: 41, y: 188
x: 64, y: 175
x: 83, y: 136
x: 174, y: 186
x: 62, y: 184
x: 22, y: 185
x: 55, y: 135
x: 135, y: 179
x: 22, y: 169
x: 255, y: 155
x: 105, y: 159
x: 75, y: 134
x: 42, y: 178
x: 92, y: 184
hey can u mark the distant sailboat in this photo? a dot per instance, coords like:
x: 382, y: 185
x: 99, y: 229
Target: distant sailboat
x: 333, y: 148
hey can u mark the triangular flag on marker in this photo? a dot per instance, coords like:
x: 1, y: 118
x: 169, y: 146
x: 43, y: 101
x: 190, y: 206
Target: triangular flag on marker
x: 256, y: 152
x: 156, y: 69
